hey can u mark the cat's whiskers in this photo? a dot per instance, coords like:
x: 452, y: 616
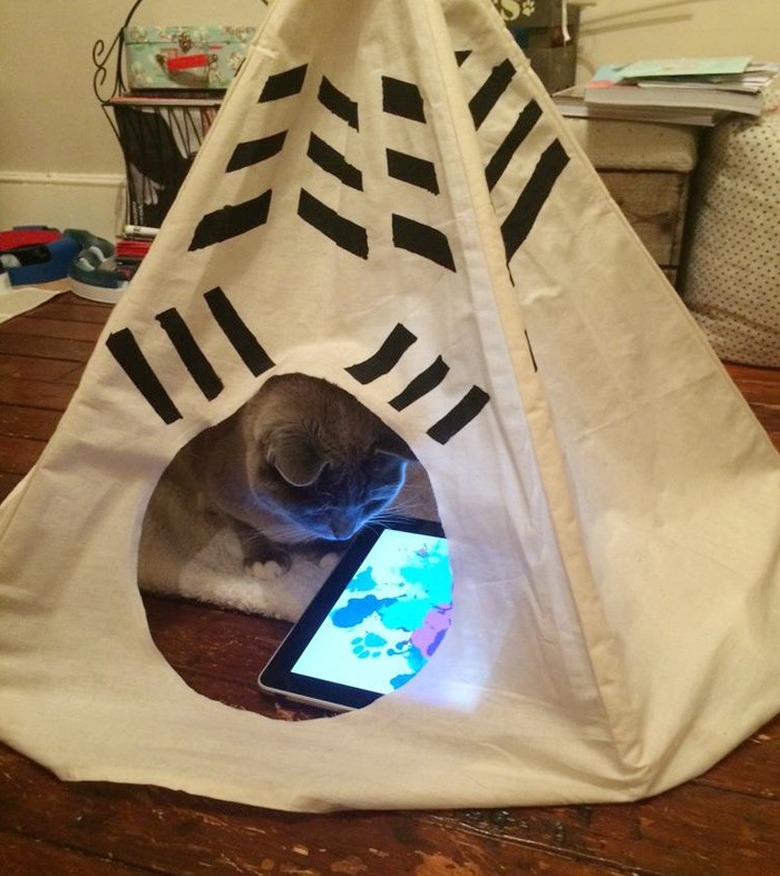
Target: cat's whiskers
x: 281, y: 532
x: 410, y: 506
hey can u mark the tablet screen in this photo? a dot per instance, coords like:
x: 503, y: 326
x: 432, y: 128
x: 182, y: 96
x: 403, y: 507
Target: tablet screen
x: 375, y: 623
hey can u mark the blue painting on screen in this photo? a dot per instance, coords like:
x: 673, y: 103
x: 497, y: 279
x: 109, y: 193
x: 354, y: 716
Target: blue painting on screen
x: 390, y: 618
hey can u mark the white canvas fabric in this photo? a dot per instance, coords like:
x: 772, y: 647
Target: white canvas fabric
x: 611, y: 503
x: 16, y: 301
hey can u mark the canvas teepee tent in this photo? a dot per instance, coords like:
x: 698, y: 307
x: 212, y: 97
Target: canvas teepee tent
x: 388, y: 200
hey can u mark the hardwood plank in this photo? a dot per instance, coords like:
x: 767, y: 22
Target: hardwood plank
x: 8, y: 480
x: 51, y: 860
x: 232, y: 649
x: 752, y: 379
x: 73, y: 309
x: 16, y: 344
x: 35, y: 394
x: 34, y: 368
x: 28, y: 422
x: 761, y: 389
x: 53, y: 328
x: 179, y: 834
x: 73, y: 378
x: 690, y: 831
x: 754, y: 768
x: 167, y: 831
x: 232, y: 643
x: 718, y: 834
x: 740, y: 371
x: 19, y: 455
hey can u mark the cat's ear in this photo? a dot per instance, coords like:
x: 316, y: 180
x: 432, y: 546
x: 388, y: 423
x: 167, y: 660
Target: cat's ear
x: 296, y: 460
x: 393, y: 444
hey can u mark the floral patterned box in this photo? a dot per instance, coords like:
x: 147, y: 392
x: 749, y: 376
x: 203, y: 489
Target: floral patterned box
x: 199, y: 57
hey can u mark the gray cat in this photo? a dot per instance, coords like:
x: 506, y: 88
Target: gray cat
x: 298, y: 470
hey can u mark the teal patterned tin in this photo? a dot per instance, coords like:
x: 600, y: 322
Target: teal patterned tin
x: 200, y: 57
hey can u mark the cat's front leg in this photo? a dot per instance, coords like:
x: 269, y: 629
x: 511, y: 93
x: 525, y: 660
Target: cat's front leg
x: 264, y: 559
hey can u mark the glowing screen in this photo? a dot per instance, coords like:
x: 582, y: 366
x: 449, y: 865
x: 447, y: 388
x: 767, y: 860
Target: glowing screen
x: 390, y: 618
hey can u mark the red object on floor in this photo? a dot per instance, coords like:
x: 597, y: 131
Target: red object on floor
x: 40, y: 254
x: 22, y: 237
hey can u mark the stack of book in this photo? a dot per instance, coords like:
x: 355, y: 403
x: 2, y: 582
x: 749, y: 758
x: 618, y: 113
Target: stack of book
x: 698, y: 91
x: 132, y: 247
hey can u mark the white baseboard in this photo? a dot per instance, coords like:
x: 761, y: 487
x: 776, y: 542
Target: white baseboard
x: 93, y: 202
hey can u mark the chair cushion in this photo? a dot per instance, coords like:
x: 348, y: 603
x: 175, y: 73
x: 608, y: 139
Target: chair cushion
x: 732, y: 284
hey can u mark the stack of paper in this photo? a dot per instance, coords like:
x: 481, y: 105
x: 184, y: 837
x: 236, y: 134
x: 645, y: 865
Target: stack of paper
x: 697, y: 91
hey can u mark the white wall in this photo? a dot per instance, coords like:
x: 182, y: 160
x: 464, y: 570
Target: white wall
x: 61, y: 165
x: 617, y: 31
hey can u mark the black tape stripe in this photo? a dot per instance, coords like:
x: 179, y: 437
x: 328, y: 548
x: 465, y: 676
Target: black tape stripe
x: 403, y: 99
x: 338, y: 103
x: 333, y: 162
x: 125, y: 350
x: 421, y: 385
x: 231, y: 221
x: 423, y: 240
x: 521, y: 218
x: 244, y: 342
x: 190, y: 353
x: 490, y: 92
x: 520, y: 130
x: 531, y: 351
x: 409, y: 169
x: 386, y: 357
x: 255, y: 151
x: 343, y: 232
x: 283, y: 84
x: 460, y: 416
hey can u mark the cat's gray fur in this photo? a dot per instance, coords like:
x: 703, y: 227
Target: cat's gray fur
x: 296, y: 471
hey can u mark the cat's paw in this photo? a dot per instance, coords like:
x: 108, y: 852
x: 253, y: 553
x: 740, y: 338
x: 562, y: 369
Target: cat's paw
x: 327, y: 562
x: 269, y: 571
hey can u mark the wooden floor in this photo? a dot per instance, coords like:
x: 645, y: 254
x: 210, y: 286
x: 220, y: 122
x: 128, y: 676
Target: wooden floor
x: 726, y: 823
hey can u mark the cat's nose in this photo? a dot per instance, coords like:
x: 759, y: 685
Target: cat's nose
x: 342, y: 527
